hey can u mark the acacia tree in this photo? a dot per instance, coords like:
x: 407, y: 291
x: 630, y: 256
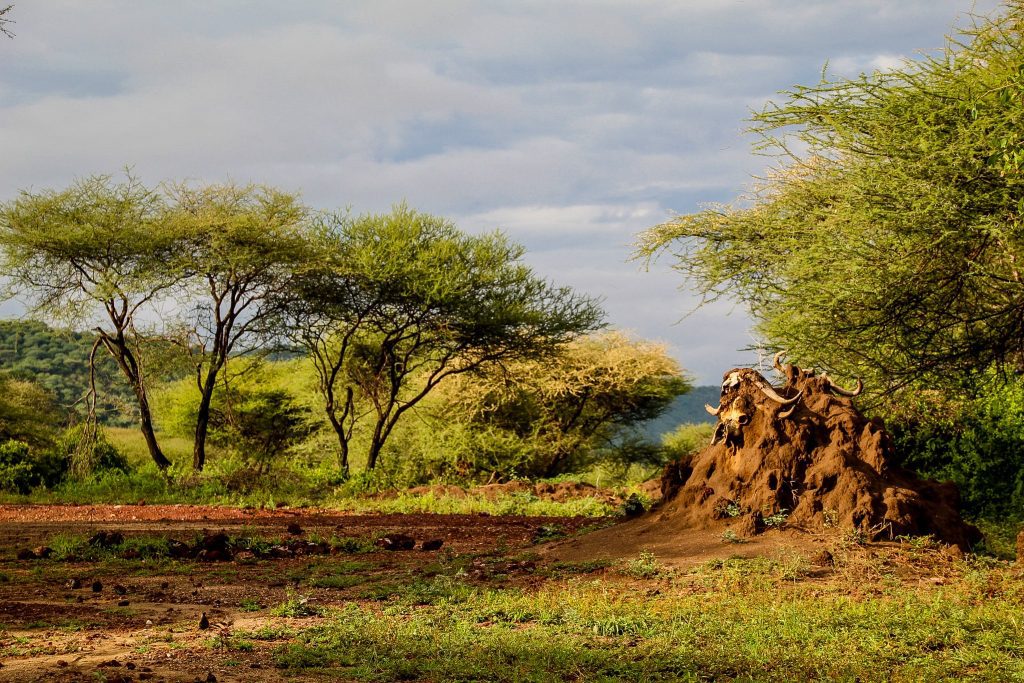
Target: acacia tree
x: 240, y: 245
x: 570, y: 408
x: 96, y: 254
x: 401, y: 301
x: 888, y: 242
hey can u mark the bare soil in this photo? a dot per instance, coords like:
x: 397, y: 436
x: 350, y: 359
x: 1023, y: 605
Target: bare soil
x: 144, y: 624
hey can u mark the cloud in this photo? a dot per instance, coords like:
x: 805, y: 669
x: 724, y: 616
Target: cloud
x: 573, y: 125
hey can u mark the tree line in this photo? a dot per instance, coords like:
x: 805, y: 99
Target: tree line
x: 386, y: 306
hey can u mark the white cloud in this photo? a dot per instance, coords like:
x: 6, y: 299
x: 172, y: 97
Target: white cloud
x: 571, y: 124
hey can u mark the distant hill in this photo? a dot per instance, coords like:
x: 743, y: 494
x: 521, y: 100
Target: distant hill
x: 686, y: 409
x: 59, y: 361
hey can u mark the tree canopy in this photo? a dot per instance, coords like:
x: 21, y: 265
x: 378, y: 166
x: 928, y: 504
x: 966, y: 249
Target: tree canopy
x: 888, y: 240
x: 399, y: 302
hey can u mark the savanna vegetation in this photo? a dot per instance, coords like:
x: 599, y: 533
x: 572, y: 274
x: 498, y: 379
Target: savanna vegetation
x: 885, y: 244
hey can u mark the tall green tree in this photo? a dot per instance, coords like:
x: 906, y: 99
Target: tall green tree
x: 399, y: 302
x: 240, y: 246
x: 98, y: 254
x: 888, y: 241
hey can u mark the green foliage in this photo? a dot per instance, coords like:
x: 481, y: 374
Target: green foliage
x: 977, y: 443
x: 58, y: 361
x: 686, y: 441
x: 399, y: 302
x: 888, y: 242
x: 544, y: 417
x: 254, y: 412
x: 27, y: 412
x: 88, y: 452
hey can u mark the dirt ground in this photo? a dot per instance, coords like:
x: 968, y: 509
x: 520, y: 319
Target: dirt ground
x: 144, y: 621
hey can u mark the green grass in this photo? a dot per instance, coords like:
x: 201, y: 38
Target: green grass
x: 728, y: 620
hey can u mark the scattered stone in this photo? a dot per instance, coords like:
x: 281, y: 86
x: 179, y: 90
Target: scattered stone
x: 178, y: 550
x: 245, y: 557
x: 204, y: 623
x: 61, y: 663
x: 432, y: 544
x: 280, y: 552
x: 145, y: 676
x: 106, y: 539
x: 123, y: 603
x: 395, y: 542
x: 74, y: 584
x: 119, y: 589
x: 97, y: 586
x: 164, y: 585
x: 210, y: 678
x: 26, y: 554
x: 111, y: 663
x: 294, y: 529
x: 130, y: 666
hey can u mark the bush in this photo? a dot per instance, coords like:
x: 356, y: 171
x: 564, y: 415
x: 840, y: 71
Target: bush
x: 88, y: 456
x: 254, y: 412
x: 976, y: 443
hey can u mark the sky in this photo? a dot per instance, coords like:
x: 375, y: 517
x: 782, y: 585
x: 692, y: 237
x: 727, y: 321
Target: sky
x: 571, y: 126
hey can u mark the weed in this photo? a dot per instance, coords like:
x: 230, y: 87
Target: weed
x: 296, y: 606
x: 729, y: 536
x: 644, y: 566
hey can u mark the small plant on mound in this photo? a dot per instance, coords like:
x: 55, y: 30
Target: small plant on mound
x: 644, y: 566
x: 296, y: 606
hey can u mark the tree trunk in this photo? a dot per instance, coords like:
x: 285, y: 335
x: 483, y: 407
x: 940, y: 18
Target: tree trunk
x: 120, y: 352
x: 376, y: 445
x: 146, y: 424
x: 339, y: 429
x: 203, y: 420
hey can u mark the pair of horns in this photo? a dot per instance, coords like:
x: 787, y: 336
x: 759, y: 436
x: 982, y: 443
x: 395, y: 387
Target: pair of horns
x: 830, y: 384
x: 769, y: 391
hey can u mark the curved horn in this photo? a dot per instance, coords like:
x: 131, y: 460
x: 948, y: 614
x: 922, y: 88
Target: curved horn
x: 836, y: 389
x: 777, y: 361
x: 786, y: 413
x: 770, y: 392
x: 713, y: 411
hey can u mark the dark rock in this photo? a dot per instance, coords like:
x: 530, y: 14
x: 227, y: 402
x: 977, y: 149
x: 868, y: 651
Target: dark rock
x: 73, y: 584
x: 107, y: 539
x: 294, y: 529
x: 395, y: 542
x: 120, y: 590
x: 43, y: 552
x: 432, y: 544
x: 178, y: 550
x: 204, y: 622
x: 123, y: 603
x: 280, y: 552
x: 97, y: 586
x: 26, y: 554
x: 216, y: 541
x: 245, y: 557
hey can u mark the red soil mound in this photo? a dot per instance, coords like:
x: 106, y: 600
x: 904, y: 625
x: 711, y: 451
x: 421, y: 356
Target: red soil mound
x: 805, y: 454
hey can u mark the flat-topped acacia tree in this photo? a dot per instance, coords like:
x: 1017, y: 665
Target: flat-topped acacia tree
x: 98, y: 254
x: 240, y: 246
x: 396, y: 303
